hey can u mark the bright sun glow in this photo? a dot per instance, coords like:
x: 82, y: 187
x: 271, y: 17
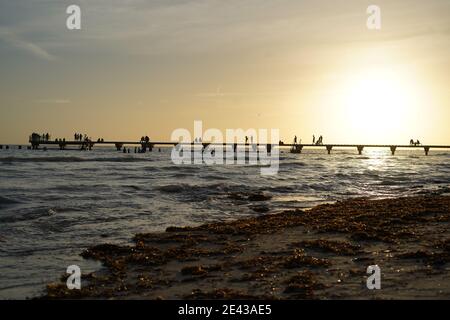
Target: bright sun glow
x: 378, y: 103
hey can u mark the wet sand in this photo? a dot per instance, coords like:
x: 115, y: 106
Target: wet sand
x: 322, y: 253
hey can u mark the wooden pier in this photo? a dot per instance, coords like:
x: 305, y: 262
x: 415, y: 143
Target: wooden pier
x: 294, y: 148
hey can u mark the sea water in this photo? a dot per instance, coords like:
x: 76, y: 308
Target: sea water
x: 54, y: 204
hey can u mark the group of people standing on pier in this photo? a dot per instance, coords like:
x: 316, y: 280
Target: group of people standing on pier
x: 37, y: 137
x: 319, y: 141
x: 414, y: 143
x: 80, y: 137
x: 145, y: 139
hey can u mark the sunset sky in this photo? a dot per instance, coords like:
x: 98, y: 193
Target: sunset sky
x: 148, y: 67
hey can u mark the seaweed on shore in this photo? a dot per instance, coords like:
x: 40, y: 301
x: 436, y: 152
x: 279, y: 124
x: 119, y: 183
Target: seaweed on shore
x: 250, y: 257
x: 330, y: 246
x: 303, y: 285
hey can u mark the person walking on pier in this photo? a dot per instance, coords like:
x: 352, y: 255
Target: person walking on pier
x: 295, y: 140
x: 314, y: 139
x: 319, y: 141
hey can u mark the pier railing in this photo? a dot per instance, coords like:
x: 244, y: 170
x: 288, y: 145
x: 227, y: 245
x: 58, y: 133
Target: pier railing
x: 294, y: 147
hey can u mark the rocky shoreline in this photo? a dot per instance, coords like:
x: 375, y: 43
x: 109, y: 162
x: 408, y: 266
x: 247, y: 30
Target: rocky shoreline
x: 322, y: 253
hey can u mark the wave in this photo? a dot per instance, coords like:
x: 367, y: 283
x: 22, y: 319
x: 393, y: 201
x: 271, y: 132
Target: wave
x: 30, y: 215
x: 294, y: 164
x: 7, y: 201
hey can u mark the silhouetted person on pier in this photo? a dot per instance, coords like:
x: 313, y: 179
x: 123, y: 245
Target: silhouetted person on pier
x: 295, y: 140
x: 418, y: 142
x: 319, y: 141
x: 411, y: 142
x: 314, y: 139
x: 246, y: 139
x: 147, y: 139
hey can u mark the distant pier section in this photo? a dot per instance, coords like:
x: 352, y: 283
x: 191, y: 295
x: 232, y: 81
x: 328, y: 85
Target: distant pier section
x: 148, y: 146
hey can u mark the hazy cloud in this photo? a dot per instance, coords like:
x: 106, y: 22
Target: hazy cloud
x: 16, y: 41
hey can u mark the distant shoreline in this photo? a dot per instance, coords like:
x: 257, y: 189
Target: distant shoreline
x: 321, y: 253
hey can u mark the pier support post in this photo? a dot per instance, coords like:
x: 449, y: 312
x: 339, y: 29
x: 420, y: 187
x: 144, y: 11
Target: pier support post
x: 150, y: 147
x: 269, y: 148
x: 329, y: 148
x: 19, y: 147
x: 426, y: 150
x: 6, y: 147
x: 360, y: 149
x: 298, y: 148
x: 393, y: 148
x: 1, y: 147
x: 235, y: 147
x: 118, y: 146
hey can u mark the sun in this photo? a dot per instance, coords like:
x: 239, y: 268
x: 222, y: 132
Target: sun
x: 378, y: 103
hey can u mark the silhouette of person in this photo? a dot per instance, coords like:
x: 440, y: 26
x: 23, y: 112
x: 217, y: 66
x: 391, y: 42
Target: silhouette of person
x: 314, y: 139
x: 295, y: 140
x: 320, y: 140
x: 246, y: 139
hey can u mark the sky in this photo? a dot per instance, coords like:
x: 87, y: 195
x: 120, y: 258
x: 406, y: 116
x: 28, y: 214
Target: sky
x: 149, y: 67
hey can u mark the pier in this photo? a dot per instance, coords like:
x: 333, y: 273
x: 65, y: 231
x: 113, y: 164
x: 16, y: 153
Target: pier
x: 294, y: 148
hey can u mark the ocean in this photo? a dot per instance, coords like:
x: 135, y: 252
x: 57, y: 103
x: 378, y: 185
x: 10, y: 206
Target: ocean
x: 54, y: 204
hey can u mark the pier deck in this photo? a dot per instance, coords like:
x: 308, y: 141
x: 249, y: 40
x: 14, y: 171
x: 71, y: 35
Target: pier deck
x: 294, y: 148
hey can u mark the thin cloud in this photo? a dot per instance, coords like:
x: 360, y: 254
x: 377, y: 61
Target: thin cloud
x: 53, y: 101
x: 23, y: 44
x: 219, y: 94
